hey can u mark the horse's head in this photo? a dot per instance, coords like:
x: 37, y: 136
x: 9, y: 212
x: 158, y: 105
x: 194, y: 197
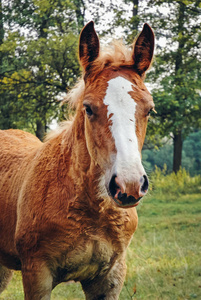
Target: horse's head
x: 116, y: 107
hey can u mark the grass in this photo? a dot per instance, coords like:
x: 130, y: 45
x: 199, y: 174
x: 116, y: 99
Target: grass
x: 164, y: 256
x: 163, y: 259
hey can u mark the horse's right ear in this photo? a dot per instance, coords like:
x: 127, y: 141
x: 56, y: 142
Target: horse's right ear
x: 143, y: 50
x: 88, y: 46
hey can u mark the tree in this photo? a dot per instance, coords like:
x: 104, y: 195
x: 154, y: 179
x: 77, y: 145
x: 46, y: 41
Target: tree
x: 134, y: 21
x: 177, y: 70
x: 191, y: 155
x: 191, y: 158
x: 39, y: 61
x: 1, y: 31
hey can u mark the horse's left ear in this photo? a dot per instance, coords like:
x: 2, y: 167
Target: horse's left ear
x: 143, y: 50
x: 88, y: 46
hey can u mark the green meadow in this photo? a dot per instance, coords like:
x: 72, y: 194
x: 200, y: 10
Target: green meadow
x: 164, y: 257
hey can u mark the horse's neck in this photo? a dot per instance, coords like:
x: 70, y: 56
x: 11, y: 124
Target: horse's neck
x: 74, y: 149
x: 78, y: 172
x: 82, y: 169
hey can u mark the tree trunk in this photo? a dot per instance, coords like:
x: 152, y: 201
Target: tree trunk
x: 40, y: 130
x: 177, y: 151
x: 1, y: 35
x: 135, y: 23
x: 135, y: 7
x: 177, y: 155
x: 80, y: 13
x: 1, y: 24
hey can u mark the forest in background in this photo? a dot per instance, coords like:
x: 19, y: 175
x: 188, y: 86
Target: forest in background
x: 39, y: 64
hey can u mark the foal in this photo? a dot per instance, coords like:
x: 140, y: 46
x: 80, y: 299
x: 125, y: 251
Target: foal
x: 68, y: 205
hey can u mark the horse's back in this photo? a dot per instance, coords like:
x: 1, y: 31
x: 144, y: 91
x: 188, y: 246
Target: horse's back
x: 15, y: 146
x: 17, y: 149
x: 20, y: 140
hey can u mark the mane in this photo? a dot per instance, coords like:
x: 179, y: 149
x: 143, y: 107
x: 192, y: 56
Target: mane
x: 65, y: 125
x: 115, y: 55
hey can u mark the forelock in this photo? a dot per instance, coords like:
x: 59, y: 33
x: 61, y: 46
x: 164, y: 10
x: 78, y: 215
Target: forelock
x: 114, y: 56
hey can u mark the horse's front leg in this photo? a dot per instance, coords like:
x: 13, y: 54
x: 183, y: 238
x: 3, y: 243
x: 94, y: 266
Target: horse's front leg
x: 37, y: 280
x: 106, y: 287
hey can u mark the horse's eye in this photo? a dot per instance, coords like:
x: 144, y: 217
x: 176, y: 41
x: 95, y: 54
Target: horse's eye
x: 88, y: 110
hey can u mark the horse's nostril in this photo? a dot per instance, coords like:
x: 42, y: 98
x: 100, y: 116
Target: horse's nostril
x: 145, y: 184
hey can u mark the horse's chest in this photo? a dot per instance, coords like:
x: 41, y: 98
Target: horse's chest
x: 90, y: 259
x: 96, y: 251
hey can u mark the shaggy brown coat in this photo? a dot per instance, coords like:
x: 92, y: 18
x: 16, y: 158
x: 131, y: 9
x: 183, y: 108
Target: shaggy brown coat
x: 55, y: 224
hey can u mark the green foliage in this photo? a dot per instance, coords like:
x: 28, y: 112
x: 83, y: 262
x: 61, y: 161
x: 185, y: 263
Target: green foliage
x: 39, y: 62
x: 39, y: 17
x: 175, y: 184
x: 191, y: 155
x: 176, y: 71
x: 157, y: 157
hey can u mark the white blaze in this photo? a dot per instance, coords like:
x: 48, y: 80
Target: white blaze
x: 121, y: 110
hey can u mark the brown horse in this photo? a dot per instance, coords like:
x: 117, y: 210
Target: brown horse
x: 67, y: 206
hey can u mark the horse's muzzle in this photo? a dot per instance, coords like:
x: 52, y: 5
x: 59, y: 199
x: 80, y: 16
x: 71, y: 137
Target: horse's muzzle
x: 117, y: 190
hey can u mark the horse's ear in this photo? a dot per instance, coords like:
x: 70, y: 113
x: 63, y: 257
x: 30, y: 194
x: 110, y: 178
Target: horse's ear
x: 143, y: 50
x: 88, y: 46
